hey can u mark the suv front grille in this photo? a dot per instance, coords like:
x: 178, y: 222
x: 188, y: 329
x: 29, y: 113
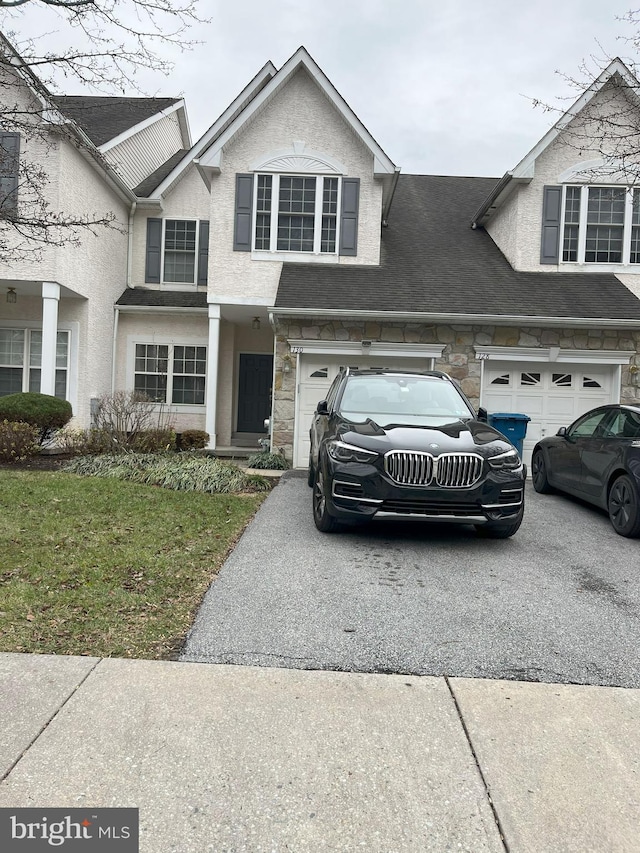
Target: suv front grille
x: 451, y: 470
x: 458, y: 469
x: 410, y: 469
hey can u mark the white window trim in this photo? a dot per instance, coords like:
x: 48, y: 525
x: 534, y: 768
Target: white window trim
x: 580, y: 264
x: 273, y: 253
x: 181, y: 285
x: 171, y: 408
x: 73, y: 328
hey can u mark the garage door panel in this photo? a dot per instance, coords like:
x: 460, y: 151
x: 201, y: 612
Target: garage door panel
x: 561, y: 405
x: 532, y: 406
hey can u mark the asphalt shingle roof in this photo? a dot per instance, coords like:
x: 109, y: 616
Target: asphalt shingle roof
x: 432, y: 261
x: 141, y: 297
x: 144, y: 189
x: 103, y: 118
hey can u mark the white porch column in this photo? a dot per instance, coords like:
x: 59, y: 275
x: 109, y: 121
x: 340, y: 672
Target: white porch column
x: 212, y: 373
x: 50, y: 299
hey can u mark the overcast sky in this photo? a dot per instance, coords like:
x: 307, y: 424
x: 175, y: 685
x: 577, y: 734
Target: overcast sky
x: 444, y: 86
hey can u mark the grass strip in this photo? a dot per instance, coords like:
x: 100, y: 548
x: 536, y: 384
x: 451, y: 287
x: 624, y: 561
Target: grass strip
x: 108, y: 568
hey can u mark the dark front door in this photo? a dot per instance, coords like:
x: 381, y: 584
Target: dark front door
x: 254, y: 392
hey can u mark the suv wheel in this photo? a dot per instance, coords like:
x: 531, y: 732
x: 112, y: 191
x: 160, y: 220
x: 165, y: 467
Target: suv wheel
x: 325, y: 522
x: 501, y: 529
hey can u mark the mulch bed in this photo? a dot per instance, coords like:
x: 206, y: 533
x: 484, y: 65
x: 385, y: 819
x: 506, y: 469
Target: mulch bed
x: 41, y: 462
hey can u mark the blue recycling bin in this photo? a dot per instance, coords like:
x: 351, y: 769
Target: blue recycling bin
x: 512, y: 425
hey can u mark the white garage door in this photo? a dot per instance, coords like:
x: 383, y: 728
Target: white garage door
x: 553, y: 395
x: 315, y: 375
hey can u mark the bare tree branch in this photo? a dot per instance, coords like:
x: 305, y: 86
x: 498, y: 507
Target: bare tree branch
x: 113, y: 41
x: 603, y: 130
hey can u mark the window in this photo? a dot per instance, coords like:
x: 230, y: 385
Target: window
x: 562, y: 380
x: 529, y: 379
x: 588, y: 425
x: 168, y: 373
x: 177, y: 251
x: 601, y: 225
x: 21, y: 361
x: 296, y: 214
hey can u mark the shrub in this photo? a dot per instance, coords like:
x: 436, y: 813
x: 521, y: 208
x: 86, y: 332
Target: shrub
x: 178, y: 472
x: 128, y: 414
x: 153, y: 440
x: 273, y: 461
x: 86, y: 441
x: 17, y: 441
x: 193, y: 439
x: 47, y: 413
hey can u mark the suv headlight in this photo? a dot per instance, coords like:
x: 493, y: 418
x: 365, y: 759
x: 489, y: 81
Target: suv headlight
x: 343, y: 452
x: 508, y: 461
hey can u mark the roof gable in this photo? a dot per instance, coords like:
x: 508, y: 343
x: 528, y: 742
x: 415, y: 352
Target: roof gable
x: 301, y: 59
x: 524, y: 171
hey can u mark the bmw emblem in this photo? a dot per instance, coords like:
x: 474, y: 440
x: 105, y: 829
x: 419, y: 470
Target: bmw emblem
x: 434, y: 446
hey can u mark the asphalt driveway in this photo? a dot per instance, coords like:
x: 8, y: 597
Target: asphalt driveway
x: 559, y: 602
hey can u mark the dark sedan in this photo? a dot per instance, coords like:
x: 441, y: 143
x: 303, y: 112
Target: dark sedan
x: 597, y: 459
x: 386, y: 443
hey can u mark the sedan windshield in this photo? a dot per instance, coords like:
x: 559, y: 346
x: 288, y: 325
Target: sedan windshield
x: 414, y: 400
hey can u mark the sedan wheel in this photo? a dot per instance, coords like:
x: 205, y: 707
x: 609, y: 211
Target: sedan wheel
x: 539, y: 474
x: 624, y: 507
x: 325, y: 522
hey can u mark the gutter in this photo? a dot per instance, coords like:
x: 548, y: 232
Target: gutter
x: 465, y: 319
x: 159, y: 309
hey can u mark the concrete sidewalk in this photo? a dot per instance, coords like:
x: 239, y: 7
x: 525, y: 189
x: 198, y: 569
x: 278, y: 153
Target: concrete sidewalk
x: 232, y: 759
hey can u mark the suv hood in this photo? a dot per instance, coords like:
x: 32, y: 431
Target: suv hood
x: 460, y: 436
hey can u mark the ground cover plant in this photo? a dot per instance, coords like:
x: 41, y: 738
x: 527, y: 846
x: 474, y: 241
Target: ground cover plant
x: 98, y: 566
x: 182, y: 472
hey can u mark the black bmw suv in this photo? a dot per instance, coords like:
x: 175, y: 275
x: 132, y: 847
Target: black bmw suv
x: 386, y: 443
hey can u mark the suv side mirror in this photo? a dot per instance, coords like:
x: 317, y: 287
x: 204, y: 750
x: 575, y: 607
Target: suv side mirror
x: 483, y: 415
x: 562, y: 431
x: 322, y: 408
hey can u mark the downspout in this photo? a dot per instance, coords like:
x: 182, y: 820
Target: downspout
x: 116, y: 317
x: 132, y: 213
x: 385, y: 212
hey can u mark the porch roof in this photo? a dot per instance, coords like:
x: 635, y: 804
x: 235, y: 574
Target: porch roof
x: 140, y: 297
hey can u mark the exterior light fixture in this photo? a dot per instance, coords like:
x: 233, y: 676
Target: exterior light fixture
x: 12, y: 296
x: 255, y: 323
x: 286, y: 364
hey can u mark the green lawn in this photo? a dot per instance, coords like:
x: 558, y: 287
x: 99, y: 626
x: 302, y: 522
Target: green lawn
x: 103, y: 567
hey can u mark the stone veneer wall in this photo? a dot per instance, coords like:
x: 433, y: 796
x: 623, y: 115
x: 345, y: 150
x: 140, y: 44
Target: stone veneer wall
x: 458, y: 356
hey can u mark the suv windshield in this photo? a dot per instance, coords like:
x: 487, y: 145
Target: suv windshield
x: 391, y: 398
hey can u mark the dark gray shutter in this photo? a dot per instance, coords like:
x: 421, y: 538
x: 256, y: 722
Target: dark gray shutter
x: 551, y: 216
x: 243, y: 215
x: 203, y: 252
x: 9, y: 160
x: 153, y: 264
x: 349, y: 216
